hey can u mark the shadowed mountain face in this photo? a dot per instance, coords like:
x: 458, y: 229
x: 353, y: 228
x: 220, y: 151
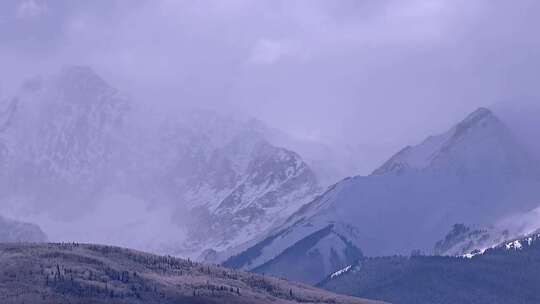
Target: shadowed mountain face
x: 74, y: 273
x: 308, y: 260
x: 507, y: 273
x: 74, y: 150
x: 475, y: 173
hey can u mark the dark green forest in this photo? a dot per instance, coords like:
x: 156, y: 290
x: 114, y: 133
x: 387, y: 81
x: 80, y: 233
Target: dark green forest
x: 500, y: 275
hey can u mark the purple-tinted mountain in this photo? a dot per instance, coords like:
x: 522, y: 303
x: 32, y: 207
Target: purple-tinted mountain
x: 476, y: 173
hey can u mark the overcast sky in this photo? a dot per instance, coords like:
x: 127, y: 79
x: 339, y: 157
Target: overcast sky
x: 370, y: 74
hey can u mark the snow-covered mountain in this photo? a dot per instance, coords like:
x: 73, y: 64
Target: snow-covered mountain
x: 71, y: 146
x: 476, y: 173
x: 234, y: 183
x: 59, y: 137
x: 15, y: 231
x: 330, y: 161
x: 305, y: 252
x: 479, y: 145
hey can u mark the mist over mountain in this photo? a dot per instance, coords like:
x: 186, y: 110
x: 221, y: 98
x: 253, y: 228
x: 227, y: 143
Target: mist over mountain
x: 464, y: 240
x: 521, y: 115
x: 60, y: 135
x: 75, y: 151
x: 19, y: 232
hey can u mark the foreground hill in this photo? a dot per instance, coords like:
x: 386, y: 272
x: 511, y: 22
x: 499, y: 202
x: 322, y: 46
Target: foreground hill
x: 507, y: 273
x: 76, y: 273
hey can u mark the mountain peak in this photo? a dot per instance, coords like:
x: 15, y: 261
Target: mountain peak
x: 75, y: 83
x: 79, y: 79
x: 479, y: 114
x: 480, y: 117
x: 480, y: 138
x: 78, y: 72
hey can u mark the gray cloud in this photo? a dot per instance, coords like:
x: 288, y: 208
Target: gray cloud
x: 369, y: 76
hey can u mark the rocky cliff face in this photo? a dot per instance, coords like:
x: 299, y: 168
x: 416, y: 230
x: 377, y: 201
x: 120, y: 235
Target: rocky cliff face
x: 233, y: 182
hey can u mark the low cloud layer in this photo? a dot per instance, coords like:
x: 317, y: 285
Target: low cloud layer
x: 367, y: 76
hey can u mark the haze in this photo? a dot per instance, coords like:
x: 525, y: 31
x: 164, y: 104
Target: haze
x: 360, y: 78
x: 367, y: 75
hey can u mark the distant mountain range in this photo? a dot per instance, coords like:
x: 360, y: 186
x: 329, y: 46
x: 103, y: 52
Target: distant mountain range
x: 80, y: 155
x: 86, y: 273
x: 476, y: 173
x: 72, y: 144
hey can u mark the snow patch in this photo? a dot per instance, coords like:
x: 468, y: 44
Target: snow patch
x: 340, y: 272
x: 516, y: 245
x: 474, y: 253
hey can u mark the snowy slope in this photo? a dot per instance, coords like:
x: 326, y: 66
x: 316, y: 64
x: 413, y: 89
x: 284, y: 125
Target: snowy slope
x: 330, y: 162
x: 59, y: 138
x: 463, y: 240
x: 226, y: 184
x: 72, y: 146
x: 475, y: 173
x: 480, y: 144
x: 466, y: 241
x: 311, y: 258
x: 239, y: 189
